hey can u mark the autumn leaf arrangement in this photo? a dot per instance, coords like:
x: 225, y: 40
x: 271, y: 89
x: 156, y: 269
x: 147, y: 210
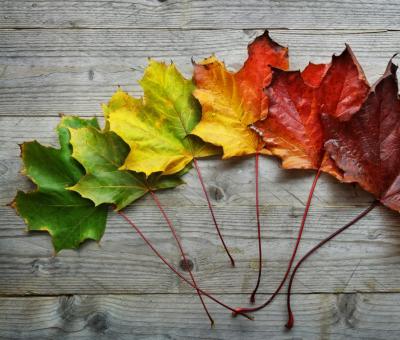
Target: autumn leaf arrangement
x: 325, y: 118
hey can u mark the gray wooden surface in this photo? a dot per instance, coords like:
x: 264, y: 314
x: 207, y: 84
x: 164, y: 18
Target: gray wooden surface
x: 69, y: 56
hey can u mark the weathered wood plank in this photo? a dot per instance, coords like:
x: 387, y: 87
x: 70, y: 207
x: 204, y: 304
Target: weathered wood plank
x: 230, y: 183
x: 212, y: 14
x: 44, y: 72
x: 318, y: 316
x: 365, y: 258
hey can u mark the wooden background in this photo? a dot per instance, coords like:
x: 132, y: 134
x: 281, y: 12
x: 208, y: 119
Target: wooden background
x: 69, y: 56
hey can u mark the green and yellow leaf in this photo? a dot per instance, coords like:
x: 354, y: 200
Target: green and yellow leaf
x: 65, y: 215
x: 158, y: 126
x: 102, y: 154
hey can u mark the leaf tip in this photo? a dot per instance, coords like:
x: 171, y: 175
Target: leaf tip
x: 12, y: 204
x: 266, y: 33
x: 267, y: 42
x: 391, y: 67
x: 123, y: 167
x: 71, y: 188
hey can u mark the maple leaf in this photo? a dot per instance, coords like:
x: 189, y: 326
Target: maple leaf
x: 65, y: 215
x: 232, y: 101
x: 292, y: 130
x: 157, y: 127
x: 101, y: 154
x: 367, y: 146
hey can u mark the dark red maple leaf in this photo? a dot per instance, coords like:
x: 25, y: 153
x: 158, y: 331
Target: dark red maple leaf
x: 367, y: 146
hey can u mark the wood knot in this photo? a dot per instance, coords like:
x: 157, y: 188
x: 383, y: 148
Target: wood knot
x: 374, y: 234
x: 46, y: 266
x: 91, y: 74
x: 184, y: 266
x: 66, y: 307
x: 98, y: 322
x: 217, y: 193
x: 347, y: 305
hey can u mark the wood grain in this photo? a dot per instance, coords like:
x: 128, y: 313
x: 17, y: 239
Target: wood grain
x: 230, y: 183
x: 70, y: 56
x: 363, y: 259
x: 73, y: 71
x: 318, y: 316
x: 212, y: 14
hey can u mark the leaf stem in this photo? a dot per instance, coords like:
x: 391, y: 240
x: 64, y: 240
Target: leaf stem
x: 171, y: 267
x: 253, y: 294
x: 171, y: 227
x: 290, y: 321
x: 196, y: 165
x: 311, y: 193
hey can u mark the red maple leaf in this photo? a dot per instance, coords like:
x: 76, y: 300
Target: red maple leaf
x: 292, y: 130
x: 367, y: 146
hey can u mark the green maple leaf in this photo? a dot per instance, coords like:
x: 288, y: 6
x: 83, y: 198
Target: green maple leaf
x: 65, y: 215
x: 102, y: 154
x: 158, y: 126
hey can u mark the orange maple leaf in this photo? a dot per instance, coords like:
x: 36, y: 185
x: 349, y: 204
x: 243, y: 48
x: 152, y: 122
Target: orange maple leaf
x: 232, y: 101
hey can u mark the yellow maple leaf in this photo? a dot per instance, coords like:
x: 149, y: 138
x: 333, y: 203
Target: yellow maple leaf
x: 158, y: 126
